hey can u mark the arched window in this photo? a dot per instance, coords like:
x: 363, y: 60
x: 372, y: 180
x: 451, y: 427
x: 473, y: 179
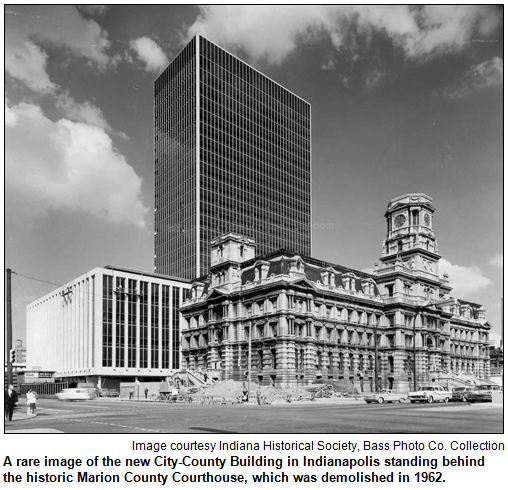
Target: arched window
x: 273, y: 359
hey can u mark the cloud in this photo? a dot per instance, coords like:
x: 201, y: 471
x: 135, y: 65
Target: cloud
x: 497, y: 261
x: 478, y: 77
x: 29, y: 29
x: 419, y: 32
x: 26, y: 62
x: 376, y: 77
x: 85, y: 112
x: 93, y: 10
x: 329, y: 65
x: 465, y: 281
x: 67, y: 166
x: 150, y: 53
x: 10, y: 117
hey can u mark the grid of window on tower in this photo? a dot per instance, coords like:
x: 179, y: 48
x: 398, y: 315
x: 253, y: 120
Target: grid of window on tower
x: 255, y: 155
x: 175, y: 165
x: 253, y: 149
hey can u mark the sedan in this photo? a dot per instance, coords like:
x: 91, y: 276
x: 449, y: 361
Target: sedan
x: 388, y: 396
x: 73, y: 394
x: 462, y: 394
x: 483, y: 393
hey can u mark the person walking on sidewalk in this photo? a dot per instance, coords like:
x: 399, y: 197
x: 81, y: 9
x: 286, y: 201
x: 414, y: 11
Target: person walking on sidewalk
x: 10, y: 400
x: 146, y: 393
x: 131, y: 394
x: 31, y: 400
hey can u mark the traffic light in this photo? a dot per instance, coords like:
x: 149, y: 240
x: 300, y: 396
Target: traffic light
x: 13, y: 356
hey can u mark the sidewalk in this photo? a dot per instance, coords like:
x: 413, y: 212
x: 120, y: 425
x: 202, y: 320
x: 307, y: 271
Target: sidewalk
x: 13, y: 427
x: 20, y: 414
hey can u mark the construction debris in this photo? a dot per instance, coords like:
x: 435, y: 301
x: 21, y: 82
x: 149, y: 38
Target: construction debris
x: 232, y: 392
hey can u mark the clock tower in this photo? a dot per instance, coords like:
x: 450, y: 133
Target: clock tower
x: 409, y: 264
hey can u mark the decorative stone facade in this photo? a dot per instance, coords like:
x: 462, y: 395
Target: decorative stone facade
x: 303, y: 319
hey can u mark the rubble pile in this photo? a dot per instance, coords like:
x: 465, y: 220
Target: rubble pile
x: 229, y: 389
x: 233, y: 390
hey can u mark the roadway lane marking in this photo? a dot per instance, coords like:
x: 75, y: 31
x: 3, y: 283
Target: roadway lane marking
x: 113, y: 425
x: 96, y: 406
x: 53, y: 409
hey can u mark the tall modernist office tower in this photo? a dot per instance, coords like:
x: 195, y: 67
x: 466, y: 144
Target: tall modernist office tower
x: 232, y: 154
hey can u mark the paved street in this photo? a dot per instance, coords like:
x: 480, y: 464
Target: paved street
x: 120, y: 416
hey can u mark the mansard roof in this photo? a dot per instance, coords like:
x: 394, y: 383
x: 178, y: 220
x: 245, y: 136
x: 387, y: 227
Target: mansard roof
x: 279, y: 265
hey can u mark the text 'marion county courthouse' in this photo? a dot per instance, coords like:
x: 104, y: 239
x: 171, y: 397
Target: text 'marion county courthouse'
x: 232, y: 154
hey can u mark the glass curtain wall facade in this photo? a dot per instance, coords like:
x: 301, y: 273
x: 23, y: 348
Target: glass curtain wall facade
x: 175, y: 166
x: 251, y: 164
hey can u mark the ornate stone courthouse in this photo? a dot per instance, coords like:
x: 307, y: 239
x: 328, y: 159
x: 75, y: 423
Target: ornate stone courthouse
x: 295, y: 319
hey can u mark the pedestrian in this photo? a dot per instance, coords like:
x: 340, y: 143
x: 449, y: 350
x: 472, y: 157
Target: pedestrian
x: 31, y: 397
x: 131, y: 394
x: 28, y: 399
x: 258, y: 394
x: 146, y: 393
x: 174, y: 394
x: 10, y: 400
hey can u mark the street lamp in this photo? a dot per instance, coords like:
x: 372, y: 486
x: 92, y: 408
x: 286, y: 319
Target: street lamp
x: 414, y: 349
x: 418, y: 310
x: 376, y: 381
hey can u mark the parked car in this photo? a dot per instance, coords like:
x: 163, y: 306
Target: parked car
x: 73, y: 394
x: 114, y: 393
x: 482, y: 393
x: 430, y: 394
x: 462, y: 394
x: 104, y: 392
x: 385, y: 396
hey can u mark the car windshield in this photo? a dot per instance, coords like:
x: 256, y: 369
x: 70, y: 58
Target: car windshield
x: 427, y: 388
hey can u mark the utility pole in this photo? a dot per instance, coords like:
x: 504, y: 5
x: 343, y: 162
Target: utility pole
x: 376, y: 380
x: 8, y: 312
x: 250, y: 358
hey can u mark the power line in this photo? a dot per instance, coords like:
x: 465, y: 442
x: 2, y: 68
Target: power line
x: 81, y: 293
x: 35, y: 279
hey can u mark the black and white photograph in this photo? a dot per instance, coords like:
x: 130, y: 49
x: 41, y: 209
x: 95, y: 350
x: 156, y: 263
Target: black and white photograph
x: 254, y: 219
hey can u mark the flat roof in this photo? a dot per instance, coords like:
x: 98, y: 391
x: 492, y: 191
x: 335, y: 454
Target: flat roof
x: 144, y: 273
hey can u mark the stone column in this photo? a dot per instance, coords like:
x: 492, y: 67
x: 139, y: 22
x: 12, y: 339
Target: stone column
x: 283, y: 325
x: 283, y: 301
x: 310, y: 362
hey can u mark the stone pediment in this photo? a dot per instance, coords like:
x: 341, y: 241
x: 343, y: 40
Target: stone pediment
x: 304, y: 281
x: 217, y: 292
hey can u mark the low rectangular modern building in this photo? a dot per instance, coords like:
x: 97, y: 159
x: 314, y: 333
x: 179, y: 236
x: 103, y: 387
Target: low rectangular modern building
x: 111, y: 322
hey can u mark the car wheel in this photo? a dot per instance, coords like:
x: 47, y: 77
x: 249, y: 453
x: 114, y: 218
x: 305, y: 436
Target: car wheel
x: 446, y: 399
x: 430, y: 399
x: 413, y: 401
x: 401, y: 400
x: 381, y: 400
x: 368, y: 403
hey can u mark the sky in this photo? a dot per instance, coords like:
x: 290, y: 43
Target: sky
x: 404, y: 99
